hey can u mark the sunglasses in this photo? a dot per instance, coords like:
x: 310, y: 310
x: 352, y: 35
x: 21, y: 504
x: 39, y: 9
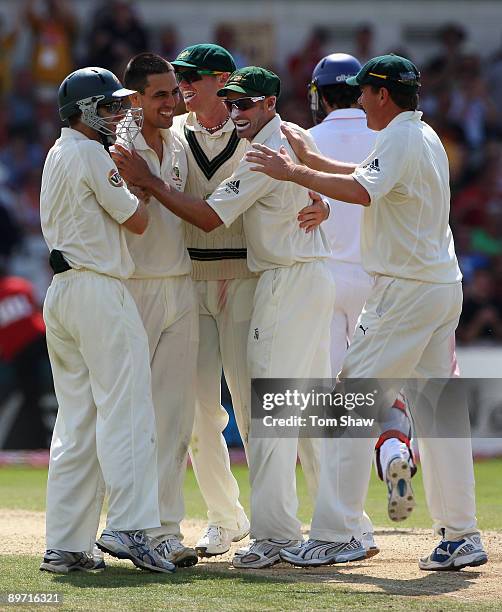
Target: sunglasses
x: 242, y: 104
x: 191, y: 76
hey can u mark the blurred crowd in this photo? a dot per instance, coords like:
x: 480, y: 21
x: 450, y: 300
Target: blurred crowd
x: 461, y: 96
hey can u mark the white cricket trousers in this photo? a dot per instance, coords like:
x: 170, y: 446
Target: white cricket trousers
x: 289, y: 337
x: 353, y: 286
x: 225, y: 308
x: 409, y: 326
x: 104, y: 434
x: 167, y: 307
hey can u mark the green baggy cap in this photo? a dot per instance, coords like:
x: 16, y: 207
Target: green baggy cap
x: 252, y: 81
x: 393, y: 70
x: 205, y: 57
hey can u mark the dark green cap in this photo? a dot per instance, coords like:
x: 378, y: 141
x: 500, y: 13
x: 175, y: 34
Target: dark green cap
x: 252, y: 81
x: 392, y: 70
x: 205, y: 57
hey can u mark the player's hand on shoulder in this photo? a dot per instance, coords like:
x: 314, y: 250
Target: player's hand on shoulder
x: 297, y: 140
x: 277, y: 164
x: 313, y: 215
x: 132, y: 167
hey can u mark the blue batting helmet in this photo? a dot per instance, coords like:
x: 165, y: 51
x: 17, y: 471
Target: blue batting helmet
x: 334, y: 69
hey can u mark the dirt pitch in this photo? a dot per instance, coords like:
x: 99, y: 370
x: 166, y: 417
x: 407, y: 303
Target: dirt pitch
x: 394, y: 571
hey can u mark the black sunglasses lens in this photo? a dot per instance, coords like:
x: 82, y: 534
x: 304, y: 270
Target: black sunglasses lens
x: 189, y: 76
x: 242, y: 104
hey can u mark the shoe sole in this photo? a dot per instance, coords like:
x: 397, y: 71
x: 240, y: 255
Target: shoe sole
x: 270, y: 563
x: 137, y: 562
x: 400, y: 506
x: 345, y: 558
x: 371, y: 552
x: 456, y: 568
x: 203, y: 552
x: 188, y: 561
x: 54, y: 569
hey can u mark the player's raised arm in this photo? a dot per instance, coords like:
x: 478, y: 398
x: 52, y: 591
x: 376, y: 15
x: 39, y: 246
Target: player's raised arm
x: 279, y: 165
x: 310, y: 155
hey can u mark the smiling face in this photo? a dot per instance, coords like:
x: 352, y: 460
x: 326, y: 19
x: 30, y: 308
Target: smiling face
x: 159, y: 100
x: 197, y: 94
x: 377, y: 105
x: 249, y: 122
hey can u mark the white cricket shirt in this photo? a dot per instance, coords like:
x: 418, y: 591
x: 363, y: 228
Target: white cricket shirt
x: 160, y: 251
x: 344, y: 136
x: 269, y: 208
x: 83, y: 201
x: 220, y: 254
x: 405, y: 231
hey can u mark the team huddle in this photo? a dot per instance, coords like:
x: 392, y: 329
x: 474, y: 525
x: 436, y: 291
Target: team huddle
x: 186, y: 246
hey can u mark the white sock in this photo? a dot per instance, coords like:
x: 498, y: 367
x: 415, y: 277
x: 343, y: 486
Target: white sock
x: 391, y: 449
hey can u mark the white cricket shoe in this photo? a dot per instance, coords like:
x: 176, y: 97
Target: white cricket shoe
x: 368, y: 541
x: 172, y: 549
x: 454, y: 555
x: 135, y: 546
x: 262, y: 553
x: 401, y: 499
x: 217, y: 540
x: 314, y: 553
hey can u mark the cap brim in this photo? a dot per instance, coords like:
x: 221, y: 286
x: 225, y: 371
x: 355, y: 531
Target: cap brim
x: 238, y: 89
x: 352, y: 81
x: 182, y: 64
x: 122, y: 93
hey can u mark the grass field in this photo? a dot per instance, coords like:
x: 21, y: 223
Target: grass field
x: 367, y: 585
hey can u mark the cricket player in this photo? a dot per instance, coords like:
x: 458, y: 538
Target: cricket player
x: 341, y: 133
x: 225, y: 287
x: 104, y: 436
x: 409, y: 318
x: 294, y: 280
x: 164, y: 294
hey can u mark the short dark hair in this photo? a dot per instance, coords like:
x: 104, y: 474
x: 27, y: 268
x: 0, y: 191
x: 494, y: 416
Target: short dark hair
x: 140, y: 67
x: 341, y: 95
x: 405, y: 98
